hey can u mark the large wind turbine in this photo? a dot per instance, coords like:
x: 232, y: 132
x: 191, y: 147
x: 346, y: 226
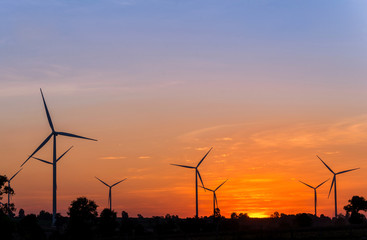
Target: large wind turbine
x: 215, y: 200
x: 53, y: 134
x: 9, y: 188
x: 333, y: 183
x: 109, y: 191
x: 314, y: 189
x: 197, y: 173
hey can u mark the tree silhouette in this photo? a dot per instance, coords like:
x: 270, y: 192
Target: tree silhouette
x: 124, y: 215
x: 107, y: 222
x: 83, y: 214
x: 275, y: 215
x: 6, y: 190
x: 217, y: 213
x: 355, y: 205
x: 21, y: 213
x: 83, y: 209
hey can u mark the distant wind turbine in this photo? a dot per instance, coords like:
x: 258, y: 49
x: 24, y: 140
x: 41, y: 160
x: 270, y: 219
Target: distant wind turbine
x: 109, y: 191
x: 9, y: 188
x: 197, y: 173
x: 53, y: 134
x: 314, y: 189
x: 333, y: 183
x: 215, y: 200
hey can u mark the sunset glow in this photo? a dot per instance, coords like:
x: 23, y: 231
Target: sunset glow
x: 268, y: 85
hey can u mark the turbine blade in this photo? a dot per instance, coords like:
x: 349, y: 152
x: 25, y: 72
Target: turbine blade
x: 332, y: 183
x: 103, y: 182
x: 64, y: 154
x: 204, y: 158
x: 306, y: 184
x: 39, y: 159
x: 182, y: 166
x: 47, y: 113
x: 221, y: 185
x: 15, y: 174
x: 207, y: 189
x: 39, y: 147
x: 322, y: 183
x: 201, y: 180
x: 347, y: 170
x: 74, y: 136
x: 118, y: 182
x: 326, y: 165
x: 216, y: 200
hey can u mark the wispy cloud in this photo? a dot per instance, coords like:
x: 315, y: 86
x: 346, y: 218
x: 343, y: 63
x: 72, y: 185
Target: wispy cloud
x: 202, y: 148
x: 113, y: 158
x: 224, y: 139
x: 347, y: 131
x: 331, y: 153
x: 196, y: 134
x: 137, y: 170
x: 144, y: 157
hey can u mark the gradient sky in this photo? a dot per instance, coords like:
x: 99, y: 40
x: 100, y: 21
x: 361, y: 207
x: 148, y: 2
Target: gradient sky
x: 269, y: 84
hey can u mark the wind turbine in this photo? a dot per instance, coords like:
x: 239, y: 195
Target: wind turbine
x: 53, y: 134
x: 215, y: 200
x: 197, y: 173
x: 109, y: 191
x: 333, y: 183
x: 9, y: 188
x: 314, y: 189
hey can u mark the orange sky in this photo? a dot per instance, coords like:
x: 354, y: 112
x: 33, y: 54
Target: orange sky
x: 263, y: 160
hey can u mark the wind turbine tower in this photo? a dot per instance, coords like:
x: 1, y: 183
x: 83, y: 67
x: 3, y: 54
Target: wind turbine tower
x: 53, y: 135
x: 215, y: 200
x: 197, y: 174
x: 314, y: 189
x: 333, y: 183
x: 109, y: 191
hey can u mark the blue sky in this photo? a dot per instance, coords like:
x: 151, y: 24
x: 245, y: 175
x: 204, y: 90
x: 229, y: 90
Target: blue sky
x: 161, y: 38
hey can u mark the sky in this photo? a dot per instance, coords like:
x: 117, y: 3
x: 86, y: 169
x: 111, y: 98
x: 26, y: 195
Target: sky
x: 268, y: 84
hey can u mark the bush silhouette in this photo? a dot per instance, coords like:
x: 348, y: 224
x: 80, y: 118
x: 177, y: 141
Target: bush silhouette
x: 303, y: 220
x: 30, y: 229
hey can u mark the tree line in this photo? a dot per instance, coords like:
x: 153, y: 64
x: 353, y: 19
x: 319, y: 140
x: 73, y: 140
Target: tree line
x: 84, y: 222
